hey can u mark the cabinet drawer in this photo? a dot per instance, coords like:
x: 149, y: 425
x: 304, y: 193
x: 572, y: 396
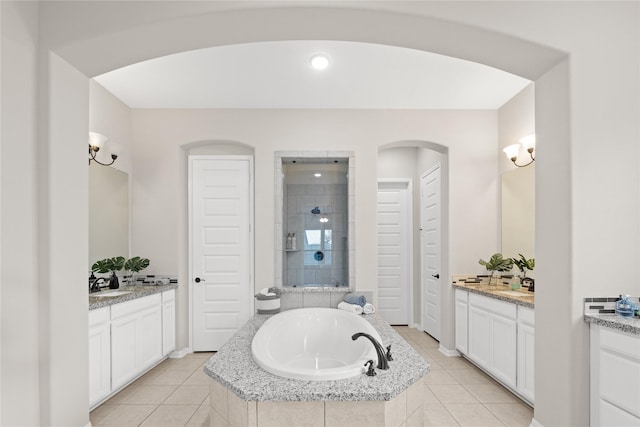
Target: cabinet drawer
x: 168, y: 296
x: 462, y: 296
x: 132, y: 307
x: 625, y: 344
x: 501, y: 308
x: 526, y: 316
x: 99, y: 316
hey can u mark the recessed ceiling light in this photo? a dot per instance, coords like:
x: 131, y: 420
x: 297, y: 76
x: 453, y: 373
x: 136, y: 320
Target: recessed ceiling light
x: 319, y: 61
x: 317, y: 175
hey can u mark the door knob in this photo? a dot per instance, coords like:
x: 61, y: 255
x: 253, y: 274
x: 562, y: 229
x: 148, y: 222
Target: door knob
x: 198, y: 280
x: 437, y: 276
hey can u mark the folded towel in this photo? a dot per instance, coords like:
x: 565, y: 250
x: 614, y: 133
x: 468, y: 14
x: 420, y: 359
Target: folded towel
x: 353, y: 308
x: 355, y: 299
x: 368, y: 309
x: 264, y: 291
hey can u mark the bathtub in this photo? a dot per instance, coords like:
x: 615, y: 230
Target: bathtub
x: 314, y: 344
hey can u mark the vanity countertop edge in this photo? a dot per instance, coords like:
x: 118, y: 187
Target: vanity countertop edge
x: 629, y: 325
x: 493, y: 291
x: 135, y: 292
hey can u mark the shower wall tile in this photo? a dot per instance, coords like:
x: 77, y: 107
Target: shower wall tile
x: 278, y: 237
x: 315, y: 154
x: 316, y: 299
x: 336, y: 298
x: 290, y: 301
x: 290, y: 153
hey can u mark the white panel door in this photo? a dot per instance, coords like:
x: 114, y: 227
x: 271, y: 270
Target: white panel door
x: 394, y: 251
x: 430, y: 248
x: 221, y: 264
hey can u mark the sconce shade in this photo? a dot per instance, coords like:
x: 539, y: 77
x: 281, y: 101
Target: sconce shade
x: 528, y: 142
x: 512, y: 151
x: 97, y: 140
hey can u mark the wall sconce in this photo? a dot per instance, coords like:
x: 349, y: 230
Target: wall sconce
x: 528, y: 143
x: 96, y: 141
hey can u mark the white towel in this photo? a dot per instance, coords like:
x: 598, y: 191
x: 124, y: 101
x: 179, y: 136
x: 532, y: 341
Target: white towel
x: 368, y: 308
x: 264, y: 291
x: 353, y: 308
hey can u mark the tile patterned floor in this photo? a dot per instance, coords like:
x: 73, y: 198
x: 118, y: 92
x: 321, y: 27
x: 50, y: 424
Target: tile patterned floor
x: 176, y: 394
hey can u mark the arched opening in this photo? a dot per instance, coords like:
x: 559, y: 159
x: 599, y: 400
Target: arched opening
x: 94, y: 56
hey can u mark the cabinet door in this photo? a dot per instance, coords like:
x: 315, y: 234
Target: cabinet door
x: 526, y: 342
x: 149, y: 333
x: 461, y: 322
x: 503, y: 349
x: 479, y: 337
x: 99, y: 355
x: 168, y: 327
x: 123, y: 350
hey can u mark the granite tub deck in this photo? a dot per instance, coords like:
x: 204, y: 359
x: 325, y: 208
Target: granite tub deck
x: 244, y: 394
x: 137, y: 291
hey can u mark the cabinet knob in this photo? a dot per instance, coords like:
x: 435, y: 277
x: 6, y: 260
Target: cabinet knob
x: 198, y: 280
x: 437, y: 276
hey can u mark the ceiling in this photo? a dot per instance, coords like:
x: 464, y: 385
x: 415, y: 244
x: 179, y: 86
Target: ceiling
x: 278, y: 75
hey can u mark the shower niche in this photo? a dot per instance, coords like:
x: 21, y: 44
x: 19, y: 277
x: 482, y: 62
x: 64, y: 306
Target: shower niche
x: 314, y: 217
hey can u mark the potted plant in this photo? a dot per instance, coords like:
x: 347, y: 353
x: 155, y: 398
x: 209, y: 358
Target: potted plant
x: 524, y: 265
x: 496, y: 263
x: 135, y: 265
x: 110, y: 265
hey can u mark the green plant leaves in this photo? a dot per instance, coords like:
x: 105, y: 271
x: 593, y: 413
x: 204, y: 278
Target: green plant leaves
x: 497, y: 263
x: 102, y: 266
x: 118, y: 263
x: 524, y: 264
x: 136, y: 264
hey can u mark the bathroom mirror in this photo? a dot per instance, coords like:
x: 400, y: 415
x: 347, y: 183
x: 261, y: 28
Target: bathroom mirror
x: 108, y: 213
x: 315, y: 219
x: 518, y: 212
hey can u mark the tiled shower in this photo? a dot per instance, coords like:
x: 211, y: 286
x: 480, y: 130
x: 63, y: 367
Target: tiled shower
x: 315, y: 228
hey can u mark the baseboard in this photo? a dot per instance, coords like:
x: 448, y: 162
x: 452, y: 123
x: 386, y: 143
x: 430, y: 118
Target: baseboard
x: 179, y: 354
x: 447, y: 352
x: 534, y: 423
x: 416, y: 326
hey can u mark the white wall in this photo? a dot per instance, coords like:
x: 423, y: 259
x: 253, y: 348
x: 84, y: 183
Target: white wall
x: 19, y: 376
x: 158, y: 182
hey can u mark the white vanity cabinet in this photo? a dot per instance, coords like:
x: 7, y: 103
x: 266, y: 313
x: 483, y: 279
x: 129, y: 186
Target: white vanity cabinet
x: 168, y: 321
x: 614, y: 377
x: 136, y: 337
x: 128, y: 338
x: 99, y: 355
x: 498, y: 336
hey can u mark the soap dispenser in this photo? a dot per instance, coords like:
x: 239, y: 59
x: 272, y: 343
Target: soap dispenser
x: 624, y: 306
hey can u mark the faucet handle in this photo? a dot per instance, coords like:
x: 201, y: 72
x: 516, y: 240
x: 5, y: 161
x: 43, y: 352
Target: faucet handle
x: 389, y: 356
x: 370, y: 371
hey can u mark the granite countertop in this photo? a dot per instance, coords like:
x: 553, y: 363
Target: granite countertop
x: 137, y: 291
x: 233, y: 366
x: 497, y: 291
x: 312, y: 289
x: 629, y: 325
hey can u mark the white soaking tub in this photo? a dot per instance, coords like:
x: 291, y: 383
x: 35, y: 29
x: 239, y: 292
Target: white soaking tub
x: 314, y: 344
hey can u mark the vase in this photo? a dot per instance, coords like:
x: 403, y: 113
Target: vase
x: 113, y: 281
